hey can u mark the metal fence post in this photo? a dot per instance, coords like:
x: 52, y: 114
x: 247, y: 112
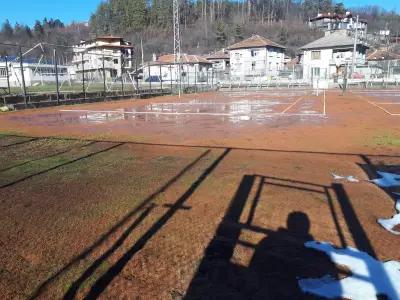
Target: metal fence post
x: 104, y: 78
x: 160, y: 78
x: 122, y: 75
x: 8, y: 76
x: 23, y: 77
x: 83, y: 77
x: 149, y: 77
x: 207, y: 86
x: 212, y: 77
x: 170, y: 76
x: 56, y: 69
x: 137, y: 77
x: 195, y: 79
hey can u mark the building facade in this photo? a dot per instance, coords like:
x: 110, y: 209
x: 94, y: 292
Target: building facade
x: 331, y: 22
x: 189, y: 69
x: 256, y: 57
x: 35, y: 73
x: 220, y: 63
x: 112, y: 54
x: 327, y: 57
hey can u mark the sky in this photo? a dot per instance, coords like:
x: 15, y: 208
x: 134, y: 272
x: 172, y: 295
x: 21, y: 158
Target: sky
x: 27, y: 11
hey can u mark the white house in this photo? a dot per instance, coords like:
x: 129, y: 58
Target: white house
x: 35, y: 73
x: 326, y: 57
x: 111, y: 53
x: 191, y: 69
x: 256, y: 57
x: 332, y: 22
x: 220, y: 63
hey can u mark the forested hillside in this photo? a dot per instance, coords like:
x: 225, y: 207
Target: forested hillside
x: 208, y: 25
x: 47, y: 31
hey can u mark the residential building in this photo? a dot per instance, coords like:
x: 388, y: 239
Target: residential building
x: 384, y: 63
x: 189, y: 69
x: 256, y: 57
x: 35, y: 72
x: 111, y: 53
x: 329, y: 22
x: 220, y: 63
x: 326, y: 57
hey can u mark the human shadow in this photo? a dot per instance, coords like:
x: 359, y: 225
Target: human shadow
x: 278, y: 260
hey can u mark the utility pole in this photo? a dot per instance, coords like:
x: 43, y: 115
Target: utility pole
x: 354, y: 49
x: 177, y: 40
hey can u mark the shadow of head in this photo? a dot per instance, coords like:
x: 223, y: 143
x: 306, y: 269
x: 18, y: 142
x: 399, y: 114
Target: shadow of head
x: 298, y: 224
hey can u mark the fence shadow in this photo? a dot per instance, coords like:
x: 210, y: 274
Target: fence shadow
x: 102, y: 283
x: 277, y: 261
x: 128, y: 220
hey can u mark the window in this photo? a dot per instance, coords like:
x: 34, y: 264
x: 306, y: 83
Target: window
x: 315, y: 55
x: 3, y: 73
x: 253, y: 65
x: 270, y: 66
x: 254, y: 53
x: 315, y: 72
x: 116, y: 61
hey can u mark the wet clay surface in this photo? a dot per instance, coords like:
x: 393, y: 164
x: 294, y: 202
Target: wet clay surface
x: 127, y: 220
x: 348, y: 126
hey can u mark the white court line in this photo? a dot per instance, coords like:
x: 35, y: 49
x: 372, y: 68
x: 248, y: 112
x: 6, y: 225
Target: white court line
x: 293, y: 104
x: 183, y: 113
x: 275, y: 102
x: 385, y: 110
x: 389, y: 103
x: 324, y: 103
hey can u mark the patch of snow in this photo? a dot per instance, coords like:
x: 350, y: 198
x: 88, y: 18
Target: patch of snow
x: 389, y: 224
x: 369, y: 277
x: 387, y: 179
x: 348, y: 178
x: 337, y: 177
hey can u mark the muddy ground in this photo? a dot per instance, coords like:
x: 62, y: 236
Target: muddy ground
x: 195, y: 207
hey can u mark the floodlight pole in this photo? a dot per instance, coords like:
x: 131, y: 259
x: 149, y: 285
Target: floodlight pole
x: 56, y: 73
x: 354, y: 49
x: 8, y: 76
x: 177, y: 40
x: 23, y: 77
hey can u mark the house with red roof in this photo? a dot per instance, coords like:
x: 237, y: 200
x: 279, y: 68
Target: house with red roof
x: 256, y: 56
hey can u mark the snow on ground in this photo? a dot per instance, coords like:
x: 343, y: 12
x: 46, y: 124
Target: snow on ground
x: 388, y: 180
x: 347, y: 178
x: 369, y: 277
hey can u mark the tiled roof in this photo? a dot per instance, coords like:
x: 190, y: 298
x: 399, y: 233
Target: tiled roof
x: 185, y: 59
x: 381, y: 54
x: 109, y: 37
x: 255, y: 41
x: 222, y: 54
x: 335, y: 40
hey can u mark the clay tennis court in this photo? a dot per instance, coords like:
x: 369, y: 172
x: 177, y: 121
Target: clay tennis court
x: 210, y: 195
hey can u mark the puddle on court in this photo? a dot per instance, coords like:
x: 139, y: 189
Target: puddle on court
x: 271, y: 111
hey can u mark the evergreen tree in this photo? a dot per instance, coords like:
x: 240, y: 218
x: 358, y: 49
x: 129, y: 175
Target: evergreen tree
x: 7, y: 29
x: 38, y: 29
x: 339, y: 8
x: 238, y: 33
x: 220, y: 34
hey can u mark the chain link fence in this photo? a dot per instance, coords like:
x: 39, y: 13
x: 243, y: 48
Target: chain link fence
x: 46, y: 75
